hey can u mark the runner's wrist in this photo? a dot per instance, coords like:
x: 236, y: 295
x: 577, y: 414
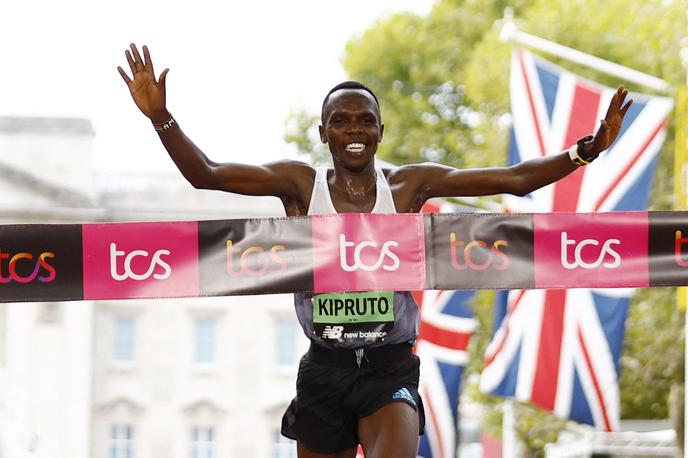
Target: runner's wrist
x: 585, y: 148
x: 166, y: 124
x: 580, y: 153
x: 160, y: 117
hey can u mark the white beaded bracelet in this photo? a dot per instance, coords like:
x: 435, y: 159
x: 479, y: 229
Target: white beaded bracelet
x: 166, y: 125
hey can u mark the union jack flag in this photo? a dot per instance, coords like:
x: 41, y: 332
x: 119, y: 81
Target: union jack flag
x: 560, y: 349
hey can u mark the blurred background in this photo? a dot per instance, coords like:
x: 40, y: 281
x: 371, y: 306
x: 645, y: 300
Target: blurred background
x: 192, y: 377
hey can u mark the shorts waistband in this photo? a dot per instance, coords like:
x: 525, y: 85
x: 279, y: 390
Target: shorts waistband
x: 349, y: 357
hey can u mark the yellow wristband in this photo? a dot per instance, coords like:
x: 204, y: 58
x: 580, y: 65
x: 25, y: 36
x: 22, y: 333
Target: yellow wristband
x: 575, y: 157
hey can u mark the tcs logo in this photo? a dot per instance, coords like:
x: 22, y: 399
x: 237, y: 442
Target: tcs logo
x: 254, y: 260
x: 38, y: 266
x: 385, y: 257
x: 362, y: 252
x: 140, y: 260
x: 128, y: 258
x: 601, y: 258
x: 492, y: 257
x: 576, y: 249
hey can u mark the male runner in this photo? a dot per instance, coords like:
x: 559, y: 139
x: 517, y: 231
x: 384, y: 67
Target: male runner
x: 358, y: 390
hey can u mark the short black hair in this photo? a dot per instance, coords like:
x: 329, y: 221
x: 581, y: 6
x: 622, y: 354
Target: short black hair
x: 347, y: 85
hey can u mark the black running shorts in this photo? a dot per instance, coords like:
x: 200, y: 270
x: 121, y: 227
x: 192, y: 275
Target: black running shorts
x: 333, y: 392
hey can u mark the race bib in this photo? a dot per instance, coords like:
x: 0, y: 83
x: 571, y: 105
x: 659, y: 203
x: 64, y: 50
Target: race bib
x: 353, y: 318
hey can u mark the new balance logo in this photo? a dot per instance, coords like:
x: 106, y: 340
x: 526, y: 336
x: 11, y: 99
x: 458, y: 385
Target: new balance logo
x: 332, y: 332
x: 404, y: 394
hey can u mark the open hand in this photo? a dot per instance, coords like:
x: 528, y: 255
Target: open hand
x: 148, y: 94
x: 611, y: 124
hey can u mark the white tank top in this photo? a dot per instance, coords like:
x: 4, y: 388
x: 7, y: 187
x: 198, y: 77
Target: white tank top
x: 405, y: 328
x: 321, y: 200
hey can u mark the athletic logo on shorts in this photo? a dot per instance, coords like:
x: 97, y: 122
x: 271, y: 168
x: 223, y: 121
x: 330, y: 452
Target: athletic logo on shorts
x: 332, y: 332
x: 405, y: 394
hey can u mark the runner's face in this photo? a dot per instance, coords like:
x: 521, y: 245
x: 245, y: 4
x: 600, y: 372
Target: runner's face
x: 352, y: 128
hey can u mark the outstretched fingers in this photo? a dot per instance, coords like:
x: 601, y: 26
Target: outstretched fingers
x: 124, y: 75
x: 611, y: 124
x: 148, y: 95
x: 626, y: 107
x: 163, y: 75
x: 130, y: 61
x: 621, y: 94
x: 147, y: 62
x: 138, y: 62
x: 615, y: 103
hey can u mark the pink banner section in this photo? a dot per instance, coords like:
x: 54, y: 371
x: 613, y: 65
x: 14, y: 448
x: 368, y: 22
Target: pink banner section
x: 133, y: 260
x: 594, y: 250
x: 365, y: 252
x: 344, y: 252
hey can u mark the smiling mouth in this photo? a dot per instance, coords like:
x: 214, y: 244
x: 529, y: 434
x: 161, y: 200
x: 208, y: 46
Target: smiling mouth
x: 355, y: 147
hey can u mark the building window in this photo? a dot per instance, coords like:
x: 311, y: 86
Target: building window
x: 283, y: 447
x: 205, y: 340
x: 202, y: 443
x: 285, y: 342
x: 124, y: 339
x: 121, y: 441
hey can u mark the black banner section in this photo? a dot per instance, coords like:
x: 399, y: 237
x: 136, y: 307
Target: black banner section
x: 258, y: 256
x: 668, y: 248
x: 477, y: 251
x: 40, y: 262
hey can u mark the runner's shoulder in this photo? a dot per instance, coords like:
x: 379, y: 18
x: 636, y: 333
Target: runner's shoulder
x: 291, y: 169
x: 298, y: 177
x: 411, y: 172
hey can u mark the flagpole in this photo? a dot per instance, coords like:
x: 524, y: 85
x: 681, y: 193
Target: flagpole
x: 510, y: 445
x: 681, y: 200
x: 511, y: 34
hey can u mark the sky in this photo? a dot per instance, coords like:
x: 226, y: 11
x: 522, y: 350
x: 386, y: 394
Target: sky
x: 236, y: 69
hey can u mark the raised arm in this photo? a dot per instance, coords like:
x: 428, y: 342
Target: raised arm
x: 434, y: 180
x: 275, y: 179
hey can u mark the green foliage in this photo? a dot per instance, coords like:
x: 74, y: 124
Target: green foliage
x: 652, y: 359
x: 536, y: 428
x: 302, y: 132
x: 442, y: 81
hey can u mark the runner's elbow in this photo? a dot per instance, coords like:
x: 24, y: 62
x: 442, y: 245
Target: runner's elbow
x: 520, y: 192
x: 519, y: 186
x: 203, y: 181
x: 197, y: 184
